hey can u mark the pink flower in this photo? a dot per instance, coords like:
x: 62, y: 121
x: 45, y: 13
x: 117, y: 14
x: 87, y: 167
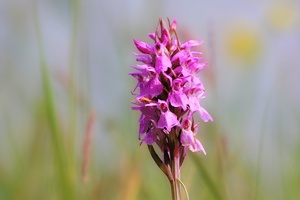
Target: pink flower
x: 187, y: 137
x: 177, y: 97
x: 167, y: 119
x: 168, y: 91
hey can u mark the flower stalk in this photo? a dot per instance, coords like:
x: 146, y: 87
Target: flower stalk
x: 168, y: 94
x: 175, y: 167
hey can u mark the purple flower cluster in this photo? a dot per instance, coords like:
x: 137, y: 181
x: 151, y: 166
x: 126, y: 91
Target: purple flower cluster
x: 169, y: 91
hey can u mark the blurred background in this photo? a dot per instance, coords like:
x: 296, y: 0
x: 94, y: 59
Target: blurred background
x: 66, y: 126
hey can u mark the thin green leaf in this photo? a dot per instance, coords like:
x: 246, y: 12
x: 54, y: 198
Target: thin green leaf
x: 206, y: 177
x: 185, y: 190
x: 159, y: 163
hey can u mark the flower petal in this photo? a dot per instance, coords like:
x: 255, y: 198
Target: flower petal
x: 204, y: 115
x: 167, y: 120
x: 162, y: 63
x: 143, y: 47
x: 191, y: 43
x: 178, y: 99
x: 150, y: 137
x: 186, y: 137
x: 197, y: 146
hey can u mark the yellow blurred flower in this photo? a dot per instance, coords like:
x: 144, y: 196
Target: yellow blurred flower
x: 282, y: 16
x: 243, y: 44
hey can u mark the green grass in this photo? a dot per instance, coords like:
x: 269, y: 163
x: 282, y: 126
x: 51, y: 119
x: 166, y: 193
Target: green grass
x: 44, y: 161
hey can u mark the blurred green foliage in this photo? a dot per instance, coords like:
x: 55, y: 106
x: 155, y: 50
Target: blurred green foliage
x: 44, y: 153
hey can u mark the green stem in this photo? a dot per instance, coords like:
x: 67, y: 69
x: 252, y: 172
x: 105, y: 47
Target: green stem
x: 55, y: 132
x: 159, y: 163
x: 175, y: 169
x: 53, y: 124
x: 173, y: 189
x: 72, y: 88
